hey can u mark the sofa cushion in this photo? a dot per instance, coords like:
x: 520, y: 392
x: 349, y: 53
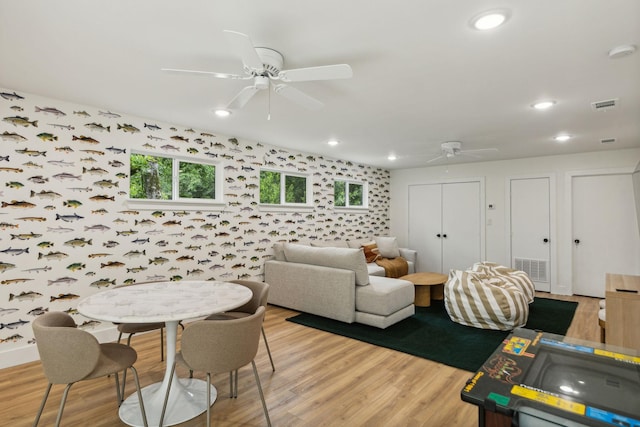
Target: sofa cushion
x: 329, y: 244
x: 278, y: 251
x: 388, y: 247
x: 345, y: 258
x: 384, y: 296
x: 375, y: 270
x: 370, y: 252
x: 358, y: 243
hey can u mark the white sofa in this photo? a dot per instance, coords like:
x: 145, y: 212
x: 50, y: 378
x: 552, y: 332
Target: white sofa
x: 334, y: 282
x: 374, y: 269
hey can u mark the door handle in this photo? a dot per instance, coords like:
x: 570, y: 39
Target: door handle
x: 438, y: 235
x: 545, y: 240
x: 444, y: 235
x: 576, y: 241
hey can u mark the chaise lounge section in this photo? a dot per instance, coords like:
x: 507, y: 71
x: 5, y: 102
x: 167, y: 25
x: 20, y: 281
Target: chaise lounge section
x: 335, y: 283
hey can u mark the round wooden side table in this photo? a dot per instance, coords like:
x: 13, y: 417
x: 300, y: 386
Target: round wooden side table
x: 424, y: 282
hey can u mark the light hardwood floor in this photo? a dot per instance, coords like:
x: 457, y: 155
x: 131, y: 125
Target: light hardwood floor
x: 321, y: 379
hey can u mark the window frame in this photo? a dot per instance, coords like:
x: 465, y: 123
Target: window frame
x: 176, y: 201
x: 283, y: 205
x: 348, y: 206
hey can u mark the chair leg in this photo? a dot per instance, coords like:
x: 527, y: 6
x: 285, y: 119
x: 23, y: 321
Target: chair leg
x: 230, y: 384
x: 162, y: 344
x: 264, y: 404
x: 62, y: 402
x: 166, y: 396
x: 208, y: 399
x: 235, y: 385
x: 118, y: 394
x: 124, y: 374
x: 135, y: 376
x: 44, y: 401
x: 266, y: 343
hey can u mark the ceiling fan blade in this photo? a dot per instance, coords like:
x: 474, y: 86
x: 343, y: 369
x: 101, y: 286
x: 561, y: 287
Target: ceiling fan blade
x: 211, y: 73
x: 325, y: 72
x: 241, y: 99
x: 476, y: 153
x: 479, y: 150
x: 298, y: 97
x: 435, y: 158
x: 243, y: 46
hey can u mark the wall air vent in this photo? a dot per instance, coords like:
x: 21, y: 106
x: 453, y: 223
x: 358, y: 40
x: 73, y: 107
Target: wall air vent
x: 604, y: 105
x: 607, y: 141
x: 537, y: 269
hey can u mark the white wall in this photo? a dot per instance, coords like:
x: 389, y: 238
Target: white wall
x: 496, y: 175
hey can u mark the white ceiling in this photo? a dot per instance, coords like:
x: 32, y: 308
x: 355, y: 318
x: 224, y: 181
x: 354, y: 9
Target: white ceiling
x: 421, y: 75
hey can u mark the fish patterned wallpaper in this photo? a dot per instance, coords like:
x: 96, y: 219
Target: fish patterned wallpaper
x: 66, y: 230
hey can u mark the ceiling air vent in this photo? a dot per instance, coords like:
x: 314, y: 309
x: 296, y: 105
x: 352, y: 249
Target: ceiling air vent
x: 604, y: 105
x: 607, y: 141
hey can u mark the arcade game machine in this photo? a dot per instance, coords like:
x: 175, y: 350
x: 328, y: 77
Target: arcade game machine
x: 536, y: 379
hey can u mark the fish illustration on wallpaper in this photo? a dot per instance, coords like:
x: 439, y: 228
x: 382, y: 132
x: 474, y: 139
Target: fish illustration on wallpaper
x: 20, y: 121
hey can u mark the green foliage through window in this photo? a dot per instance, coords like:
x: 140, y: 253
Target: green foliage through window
x: 281, y: 188
x: 152, y: 178
x: 296, y: 189
x: 269, y: 187
x: 349, y: 194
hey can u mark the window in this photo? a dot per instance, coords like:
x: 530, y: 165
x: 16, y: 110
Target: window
x: 282, y: 188
x: 175, y: 179
x: 349, y: 194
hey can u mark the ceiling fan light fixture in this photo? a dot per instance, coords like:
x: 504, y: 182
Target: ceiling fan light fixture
x: 490, y: 19
x: 222, y: 113
x: 543, y: 105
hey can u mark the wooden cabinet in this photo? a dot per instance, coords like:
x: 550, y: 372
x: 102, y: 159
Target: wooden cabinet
x: 623, y: 310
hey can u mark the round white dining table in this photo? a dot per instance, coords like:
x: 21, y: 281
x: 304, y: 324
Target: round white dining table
x: 168, y: 302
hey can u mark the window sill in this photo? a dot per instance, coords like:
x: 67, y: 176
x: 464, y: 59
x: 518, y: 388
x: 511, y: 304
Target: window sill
x: 198, y: 205
x: 354, y: 210
x: 286, y: 208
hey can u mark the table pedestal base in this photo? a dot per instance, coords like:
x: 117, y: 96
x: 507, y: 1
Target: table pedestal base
x: 186, y: 401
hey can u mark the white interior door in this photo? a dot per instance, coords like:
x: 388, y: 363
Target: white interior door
x: 461, y: 234
x: 425, y: 219
x: 530, y: 219
x: 604, y: 231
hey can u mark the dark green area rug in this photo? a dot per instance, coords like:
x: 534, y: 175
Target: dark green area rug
x: 432, y: 335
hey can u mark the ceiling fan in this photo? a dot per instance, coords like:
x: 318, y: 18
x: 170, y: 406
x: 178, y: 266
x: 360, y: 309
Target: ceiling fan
x: 263, y: 66
x: 451, y: 149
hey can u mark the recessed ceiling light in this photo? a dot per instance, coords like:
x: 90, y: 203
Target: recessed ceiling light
x: 392, y: 157
x: 490, y: 19
x: 333, y: 142
x: 222, y: 113
x: 543, y: 105
x: 562, y: 138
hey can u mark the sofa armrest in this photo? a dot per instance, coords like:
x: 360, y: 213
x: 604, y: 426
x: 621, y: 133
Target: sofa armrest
x: 323, y: 291
x: 409, y: 254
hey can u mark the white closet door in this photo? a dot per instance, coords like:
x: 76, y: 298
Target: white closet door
x: 604, y: 231
x: 425, y: 219
x: 461, y: 247
x: 530, y: 229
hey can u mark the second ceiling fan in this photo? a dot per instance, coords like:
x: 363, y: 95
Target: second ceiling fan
x: 264, y: 66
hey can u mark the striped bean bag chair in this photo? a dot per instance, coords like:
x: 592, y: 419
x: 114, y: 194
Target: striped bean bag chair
x: 486, y: 302
x: 516, y: 277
